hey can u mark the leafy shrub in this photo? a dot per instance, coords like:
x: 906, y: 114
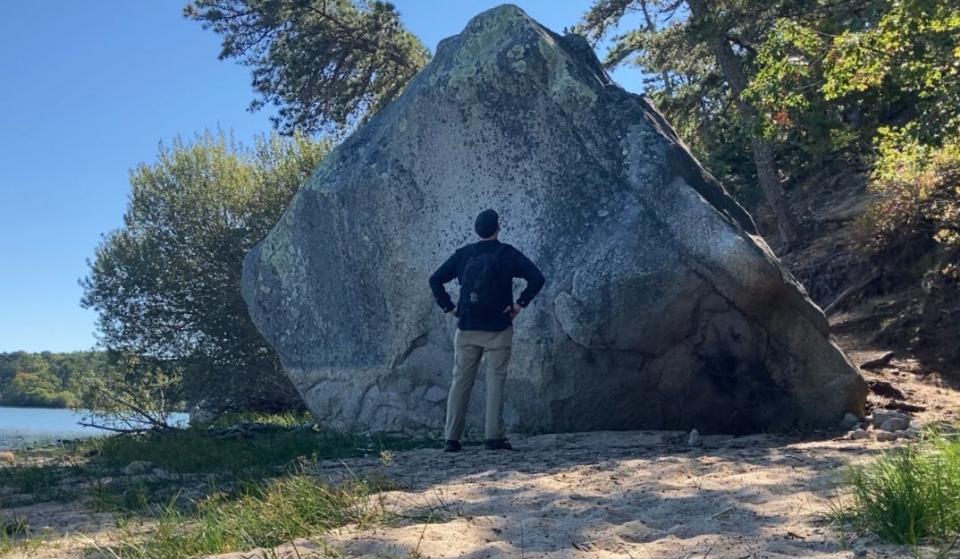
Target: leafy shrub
x: 917, y: 192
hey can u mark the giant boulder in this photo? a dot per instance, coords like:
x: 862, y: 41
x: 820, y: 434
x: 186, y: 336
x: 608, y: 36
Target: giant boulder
x: 663, y: 308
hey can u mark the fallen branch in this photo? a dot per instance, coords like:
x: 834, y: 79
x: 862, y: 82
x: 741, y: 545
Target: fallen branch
x: 848, y: 293
x: 903, y: 406
x: 879, y: 362
x: 127, y: 430
x: 885, y: 389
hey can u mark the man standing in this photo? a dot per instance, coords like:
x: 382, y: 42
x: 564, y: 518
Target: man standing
x: 485, y: 313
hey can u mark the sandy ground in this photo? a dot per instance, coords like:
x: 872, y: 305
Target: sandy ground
x: 616, y: 495
x: 611, y: 495
x: 629, y: 494
x: 594, y: 495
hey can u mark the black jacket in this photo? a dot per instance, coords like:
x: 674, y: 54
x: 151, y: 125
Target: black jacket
x: 513, y: 264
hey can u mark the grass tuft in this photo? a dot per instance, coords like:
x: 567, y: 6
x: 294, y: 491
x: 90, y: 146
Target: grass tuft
x: 260, y: 515
x: 16, y: 535
x: 289, y: 419
x: 909, y: 495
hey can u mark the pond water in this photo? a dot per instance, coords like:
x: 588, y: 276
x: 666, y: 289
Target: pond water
x: 25, y: 426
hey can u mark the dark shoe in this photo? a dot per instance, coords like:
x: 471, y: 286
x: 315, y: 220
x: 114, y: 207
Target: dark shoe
x: 452, y: 446
x: 497, y: 444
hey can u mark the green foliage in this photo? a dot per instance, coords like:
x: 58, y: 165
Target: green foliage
x: 37, y: 389
x: 47, y: 379
x: 322, y: 63
x: 167, y: 284
x: 841, y: 84
x: 127, y: 499
x: 879, y: 82
x: 908, y: 495
x: 912, y: 53
x: 224, y: 455
x: 288, y: 419
x: 917, y: 192
x: 13, y: 526
x: 913, y: 228
x: 794, y: 113
x: 828, y: 80
x: 722, y: 141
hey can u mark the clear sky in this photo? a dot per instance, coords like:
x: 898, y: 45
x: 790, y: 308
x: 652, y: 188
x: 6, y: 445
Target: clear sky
x: 87, y: 91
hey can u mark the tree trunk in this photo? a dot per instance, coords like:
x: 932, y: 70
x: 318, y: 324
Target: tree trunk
x: 652, y: 27
x: 762, y: 149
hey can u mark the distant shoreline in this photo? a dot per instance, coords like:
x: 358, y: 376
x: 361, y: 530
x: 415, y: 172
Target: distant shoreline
x: 33, y: 406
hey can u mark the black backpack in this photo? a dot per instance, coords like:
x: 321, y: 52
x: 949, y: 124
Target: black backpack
x: 478, y: 280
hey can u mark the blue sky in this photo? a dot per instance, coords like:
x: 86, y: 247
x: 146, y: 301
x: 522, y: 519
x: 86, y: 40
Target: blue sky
x: 90, y: 89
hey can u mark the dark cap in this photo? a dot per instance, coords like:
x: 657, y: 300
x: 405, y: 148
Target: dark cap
x: 487, y: 223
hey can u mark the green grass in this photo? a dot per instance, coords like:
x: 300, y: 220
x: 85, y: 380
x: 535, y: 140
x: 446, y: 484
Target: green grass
x: 130, y: 499
x: 30, y: 479
x: 16, y: 535
x: 199, y: 451
x: 909, y: 495
x: 225, y: 489
x: 259, y: 515
x: 41, y: 482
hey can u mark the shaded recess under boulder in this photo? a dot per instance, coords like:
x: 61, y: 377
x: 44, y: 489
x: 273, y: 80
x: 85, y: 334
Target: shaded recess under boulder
x: 663, y: 308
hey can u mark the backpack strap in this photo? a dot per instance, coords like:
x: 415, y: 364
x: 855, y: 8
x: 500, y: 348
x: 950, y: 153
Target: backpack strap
x: 499, y: 254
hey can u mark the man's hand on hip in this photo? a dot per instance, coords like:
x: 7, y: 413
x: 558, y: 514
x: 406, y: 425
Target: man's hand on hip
x: 513, y: 309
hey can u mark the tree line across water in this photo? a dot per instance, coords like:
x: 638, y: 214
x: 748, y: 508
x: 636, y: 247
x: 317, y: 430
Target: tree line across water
x: 47, y: 379
x: 767, y: 94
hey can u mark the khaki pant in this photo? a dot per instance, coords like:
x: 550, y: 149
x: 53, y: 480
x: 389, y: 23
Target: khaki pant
x: 469, y: 346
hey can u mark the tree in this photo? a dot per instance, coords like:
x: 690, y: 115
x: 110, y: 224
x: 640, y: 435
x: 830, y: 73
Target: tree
x: 166, y: 285
x: 731, y: 67
x: 701, y: 53
x: 47, y: 379
x: 882, y: 64
x: 324, y: 63
x: 890, y: 69
x: 37, y: 389
x: 880, y: 79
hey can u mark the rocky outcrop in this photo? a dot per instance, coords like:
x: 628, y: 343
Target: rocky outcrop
x: 663, y: 308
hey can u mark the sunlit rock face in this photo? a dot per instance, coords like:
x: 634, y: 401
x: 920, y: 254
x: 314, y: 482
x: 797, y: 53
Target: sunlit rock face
x: 663, y: 308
